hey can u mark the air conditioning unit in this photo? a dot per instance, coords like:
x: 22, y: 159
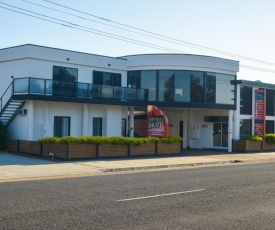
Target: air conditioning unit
x: 22, y: 112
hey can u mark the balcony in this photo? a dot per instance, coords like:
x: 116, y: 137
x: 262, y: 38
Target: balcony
x: 47, y: 87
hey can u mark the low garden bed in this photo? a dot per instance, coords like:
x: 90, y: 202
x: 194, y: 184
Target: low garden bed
x: 254, y: 144
x: 92, y: 147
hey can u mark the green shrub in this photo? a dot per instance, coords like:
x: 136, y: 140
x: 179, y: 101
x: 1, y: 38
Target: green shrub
x: 2, y: 136
x: 116, y: 140
x: 270, y: 138
x: 253, y: 138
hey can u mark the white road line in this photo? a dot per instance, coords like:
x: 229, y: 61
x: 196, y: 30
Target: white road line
x: 167, y: 194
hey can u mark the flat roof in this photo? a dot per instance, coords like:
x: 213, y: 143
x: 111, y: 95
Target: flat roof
x: 255, y: 83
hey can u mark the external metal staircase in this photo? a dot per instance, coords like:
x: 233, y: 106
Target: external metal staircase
x: 10, y: 110
x: 9, y: 107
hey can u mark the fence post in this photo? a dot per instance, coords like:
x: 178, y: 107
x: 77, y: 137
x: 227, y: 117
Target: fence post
x: 41, y: 149
x: 18, y: 146
x: 97, y: 150
x: 67, y: 150
x: 156, y: 148
x: 129, y: 149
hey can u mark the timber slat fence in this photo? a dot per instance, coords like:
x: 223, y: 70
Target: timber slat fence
x: 82, y: 151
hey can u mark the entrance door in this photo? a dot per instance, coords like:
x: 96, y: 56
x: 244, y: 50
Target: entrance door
x: 220, y: 135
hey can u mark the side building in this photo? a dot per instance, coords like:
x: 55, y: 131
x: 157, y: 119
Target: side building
x: 53, y: 92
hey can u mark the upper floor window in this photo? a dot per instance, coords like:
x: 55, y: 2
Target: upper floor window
x: 105, y: 78
x: 145, y: 79
x: 246, y: 100
x: 65, y: 74
x: 184, y: 86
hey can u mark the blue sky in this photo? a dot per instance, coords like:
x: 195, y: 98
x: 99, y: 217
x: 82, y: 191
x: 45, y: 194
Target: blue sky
x: 244, y: 28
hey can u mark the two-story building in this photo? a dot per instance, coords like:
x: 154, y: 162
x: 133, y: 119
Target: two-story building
x: 53, y: 92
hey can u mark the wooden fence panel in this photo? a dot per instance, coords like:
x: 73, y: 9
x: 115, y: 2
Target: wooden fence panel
x: 143, y: 149
x: 33, y: 147
x: 166, y: 148
x: 12, y: 145
x: 238, y: 145
x: 59, y: 150
x: 105, y: 150
x: 79, y: 150
x: 268, y: 146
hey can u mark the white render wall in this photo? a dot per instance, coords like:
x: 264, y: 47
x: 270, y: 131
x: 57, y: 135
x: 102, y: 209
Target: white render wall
x: 44, y: 112
x: 182, y: 62
x: 196, y: 118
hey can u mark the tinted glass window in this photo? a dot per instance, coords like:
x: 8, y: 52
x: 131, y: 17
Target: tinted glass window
x: 65, y: 74
x: 225, y: 91
x: 269, y: 126
x: 210, y: 85
x: 97, y: 126
x: 245, y: 127
x: 166, y: 85
x: 196, y: 87
x: 182, y: 83
x: 145, y: 79
x: 105, y: 78
x: 246, y: 100
x: 269, y: 102
x: 61, y: 126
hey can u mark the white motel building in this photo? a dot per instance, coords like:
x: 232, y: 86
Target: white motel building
x: 53, y: 92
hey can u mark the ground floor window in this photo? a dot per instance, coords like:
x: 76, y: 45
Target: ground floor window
x: 123, y: 127
x: 245, y: 127
x: 61, y: 126
x: 269, y: 126
x: 97, y: 126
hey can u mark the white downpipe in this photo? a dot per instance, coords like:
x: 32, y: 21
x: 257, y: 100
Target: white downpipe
x: 31, y: 120
x: 230, y: 130
x: 85, y: 116
x: 185, y: 127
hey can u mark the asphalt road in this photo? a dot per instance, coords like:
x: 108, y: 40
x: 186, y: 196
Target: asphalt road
x: 226, y: 197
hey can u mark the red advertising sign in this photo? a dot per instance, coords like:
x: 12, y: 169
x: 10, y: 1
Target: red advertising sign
x: 157, y: 122
x: 259, y: 125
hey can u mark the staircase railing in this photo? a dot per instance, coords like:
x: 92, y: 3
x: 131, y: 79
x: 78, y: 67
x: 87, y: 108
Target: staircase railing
x: 6, y: 96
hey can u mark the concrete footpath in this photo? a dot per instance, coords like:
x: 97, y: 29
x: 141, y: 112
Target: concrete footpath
x: 15, y: 167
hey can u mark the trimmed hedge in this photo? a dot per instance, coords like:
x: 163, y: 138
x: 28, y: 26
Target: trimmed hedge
x: 253, y: 138
x: 2, y: 136
x: 270, y: 138
x: 109, y: 140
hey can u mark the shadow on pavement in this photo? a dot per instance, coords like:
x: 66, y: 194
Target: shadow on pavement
x: 12, y: 159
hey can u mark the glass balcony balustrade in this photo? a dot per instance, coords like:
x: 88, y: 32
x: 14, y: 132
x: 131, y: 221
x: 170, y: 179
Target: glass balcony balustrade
x: 77, y: 90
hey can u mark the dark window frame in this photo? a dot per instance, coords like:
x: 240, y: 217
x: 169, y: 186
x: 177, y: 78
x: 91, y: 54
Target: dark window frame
x: 95, y: 129
x: 65, y: 68
x: 55, y: 126
x: 269, y: 102
x: 267, y: 123
x: 112, y: 76
x: 246, y: 100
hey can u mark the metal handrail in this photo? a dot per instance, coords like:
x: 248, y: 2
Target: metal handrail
x: 4, y: 94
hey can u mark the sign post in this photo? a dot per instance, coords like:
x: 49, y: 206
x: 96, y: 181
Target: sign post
x: 157, y: 122
x: 259, y: 124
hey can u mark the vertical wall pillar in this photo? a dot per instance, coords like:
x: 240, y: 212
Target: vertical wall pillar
x: 230, y: 129
x: 132, y: 121
x: 31, y: 120
x: 236, y: 118
x: 253, y: 110
x: 85, y: 112
x: 185, y: 127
